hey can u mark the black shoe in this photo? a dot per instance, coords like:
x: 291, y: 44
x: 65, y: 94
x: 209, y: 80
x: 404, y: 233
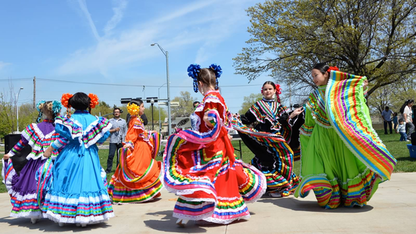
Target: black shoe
x: 107, y: 171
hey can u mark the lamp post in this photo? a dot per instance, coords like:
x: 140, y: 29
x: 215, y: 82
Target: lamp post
x: 17, y: 110
x: 158, y: 97
x: 168, y: 84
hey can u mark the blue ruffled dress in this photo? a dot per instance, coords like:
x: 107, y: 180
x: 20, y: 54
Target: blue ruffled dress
x: 77, y: 193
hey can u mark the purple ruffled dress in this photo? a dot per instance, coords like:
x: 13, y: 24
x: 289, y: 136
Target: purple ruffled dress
x: 22, y: 187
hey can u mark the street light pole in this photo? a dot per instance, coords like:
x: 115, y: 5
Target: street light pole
x: 17, y: 111
x: 168, y: 84
x: 158, y: 97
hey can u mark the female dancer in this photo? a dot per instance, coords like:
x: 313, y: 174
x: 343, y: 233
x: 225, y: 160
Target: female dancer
x: 200, y: 166
x: 136, y: 179
x: 343, y: 160
x: 77, y: 193
x: 22, y: 186
x: 268, y: 139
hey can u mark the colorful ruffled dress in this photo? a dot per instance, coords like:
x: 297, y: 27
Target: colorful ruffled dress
x: 77, y: 193
x: 268, y: 140
x: 22, y: 186
x: 343, y: 159
x: 136, y: 179
x: 200, y: 167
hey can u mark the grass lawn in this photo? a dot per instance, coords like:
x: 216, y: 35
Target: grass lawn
x: 398, y: 149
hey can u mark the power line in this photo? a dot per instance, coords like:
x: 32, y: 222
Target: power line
x: 16, y: 79
x: 136, y: 85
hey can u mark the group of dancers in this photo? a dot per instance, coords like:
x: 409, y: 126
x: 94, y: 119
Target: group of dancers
x: 342, y: 158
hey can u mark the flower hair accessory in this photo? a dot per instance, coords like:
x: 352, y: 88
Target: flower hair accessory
x: 38, y: 105
x: 133, y: 109
x: 333, y: 69
x: 40, y: 110
x: 94, y: 100
x: 65, y: 99
x: 278, y: 92
x: 56, y: 107
x: 218, y: 71
x: 193, y: 72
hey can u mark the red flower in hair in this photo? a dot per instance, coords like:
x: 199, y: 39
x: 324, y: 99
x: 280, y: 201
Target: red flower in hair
x: 278, y: 90
x: 94, y: 100
x: 333, y: 69
x: 65, y: 99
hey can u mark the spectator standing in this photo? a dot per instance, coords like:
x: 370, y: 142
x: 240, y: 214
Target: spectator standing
x: 117, y: 135
x: 407, y: 114
x: 194, y: 118
x: 386, y: 114
x: 395, y: 121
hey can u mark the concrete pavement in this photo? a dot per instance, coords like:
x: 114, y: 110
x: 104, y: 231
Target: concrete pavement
x: 391, y: 210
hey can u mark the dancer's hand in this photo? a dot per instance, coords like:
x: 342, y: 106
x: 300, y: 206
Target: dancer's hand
x: 296, y: 112
x: 365, y: 84
x: 207, y: 121
x: 6, y: 156
x: 48, y: 152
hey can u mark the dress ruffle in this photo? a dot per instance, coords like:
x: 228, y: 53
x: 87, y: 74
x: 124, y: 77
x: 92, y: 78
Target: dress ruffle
x: 75, y: 192
x: 331, y: 194
x: 22, y: 189
x: 136, y: 179
x: 211, y: 184
x: 92, y: 133
x: 84, y: 208
x: 278, y: 169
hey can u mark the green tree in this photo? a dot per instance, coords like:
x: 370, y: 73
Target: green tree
x: 185, y: 107
x: 392, y: 96
x: 27, y: 115
x: 7, y: 117
x: 103, y: 109
x: 363, y: 37
x: 249, y: 101
x: 148, y: 112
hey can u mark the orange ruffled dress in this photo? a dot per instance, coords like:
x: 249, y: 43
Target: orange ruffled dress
x: 136, y: 179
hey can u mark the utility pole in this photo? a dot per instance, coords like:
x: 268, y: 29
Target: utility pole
x: 34, y: 92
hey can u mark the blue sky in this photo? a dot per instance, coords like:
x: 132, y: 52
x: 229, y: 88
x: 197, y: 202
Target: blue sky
x: 66, y: 44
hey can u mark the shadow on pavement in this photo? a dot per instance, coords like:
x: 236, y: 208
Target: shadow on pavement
x: 168, y: 223
x: 311, y: 206
x: 47, y: 225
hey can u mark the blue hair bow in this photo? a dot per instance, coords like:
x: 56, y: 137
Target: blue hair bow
x: 218, y: 71
x: 193, y: 71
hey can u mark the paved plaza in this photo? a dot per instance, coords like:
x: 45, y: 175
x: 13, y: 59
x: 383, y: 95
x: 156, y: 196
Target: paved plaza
x: 391, y: 210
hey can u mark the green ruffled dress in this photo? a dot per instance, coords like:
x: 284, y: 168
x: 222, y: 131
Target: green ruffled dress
x: 342, y: 158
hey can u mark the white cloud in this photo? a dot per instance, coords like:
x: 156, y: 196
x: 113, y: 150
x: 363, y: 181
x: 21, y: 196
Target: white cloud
x: 84, y: 8
x: 203, y: 22
x: 118, y: 15
x: 3, y: 64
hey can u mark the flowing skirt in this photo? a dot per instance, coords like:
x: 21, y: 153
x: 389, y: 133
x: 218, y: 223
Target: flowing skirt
x: 272, y: 156
x: 136, y: 179
x: 211, y: 186
x: 22, y: 188
x: 77, y: 193
x: 333, y: 172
